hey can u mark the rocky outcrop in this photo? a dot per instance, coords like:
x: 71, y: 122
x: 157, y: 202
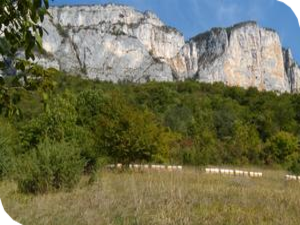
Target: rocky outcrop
x: 111, y: 43
x: 243, y: 55
x: 292, y: 70
x: 117, y: 43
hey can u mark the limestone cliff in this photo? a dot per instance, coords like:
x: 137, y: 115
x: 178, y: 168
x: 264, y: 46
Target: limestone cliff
x: 243, y: 55
x: 292, y: 71
x: 117, y: 43
x: 110, y: 42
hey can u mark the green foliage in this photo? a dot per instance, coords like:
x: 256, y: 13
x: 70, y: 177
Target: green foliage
x: 129, y: 135
x: 52, y: 166
x: 179, y: 119
x: 19, y: 21
x: 85, y: 140
x: 217, y: 124
x: 279, y: 147
x: 186, y: 122
x: 156, y: 96
x: 56, y: 123
x: 244, y: 146
x: 89, y: 105
x: 21, y: 31
x: 226, y: 113
x: 202, y: 149
x: 8, y: 142
x: 68, y: 125
x: 8, y: 100
x: 61, y: 31
x: 294, y: 163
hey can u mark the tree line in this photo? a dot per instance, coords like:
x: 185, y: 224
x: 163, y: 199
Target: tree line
x: 79, y: 125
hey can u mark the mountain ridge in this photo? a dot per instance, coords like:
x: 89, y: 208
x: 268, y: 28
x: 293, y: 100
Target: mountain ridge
x: 118, y: 43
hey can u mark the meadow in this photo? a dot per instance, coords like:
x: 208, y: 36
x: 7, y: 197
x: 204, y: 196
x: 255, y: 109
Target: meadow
x: 186, y: 197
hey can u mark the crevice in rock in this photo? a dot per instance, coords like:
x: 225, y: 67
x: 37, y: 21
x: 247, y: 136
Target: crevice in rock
x: 82, y: 65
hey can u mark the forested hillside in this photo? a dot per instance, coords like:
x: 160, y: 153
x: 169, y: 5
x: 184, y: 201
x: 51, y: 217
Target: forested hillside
x: 68, y: 126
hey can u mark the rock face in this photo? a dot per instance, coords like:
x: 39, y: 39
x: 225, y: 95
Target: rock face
x: 117, y: 43
x: 243, y: 55
x: 292, y: 71
x: 111, y: 43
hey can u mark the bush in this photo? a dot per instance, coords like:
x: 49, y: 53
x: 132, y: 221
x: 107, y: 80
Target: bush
x: 57, y: 123
x: 293, y: 164
x: 244, y: 146
x: 279, y: 147
x: 5, y: 161
x: 51, y: 166
x: 7, y: 144
x: 89, y: 104
x: 62, y: 31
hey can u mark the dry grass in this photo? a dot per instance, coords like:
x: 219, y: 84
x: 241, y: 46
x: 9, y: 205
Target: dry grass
x: 188, y: 197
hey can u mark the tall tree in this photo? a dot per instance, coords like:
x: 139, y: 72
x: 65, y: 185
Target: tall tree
x: 20, y: 31
x: 19, y: 26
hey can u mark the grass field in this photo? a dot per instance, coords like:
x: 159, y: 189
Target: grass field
x: 162, y: 198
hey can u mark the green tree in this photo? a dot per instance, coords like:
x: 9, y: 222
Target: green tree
x: 179, y: 119
x: 129, y: 135
x: 205, y: 149
x: 285, y: 114
x: 57, y: 123
x: 293, y: 163
x: 19, y: 23
x: 226, y: 112
x: 20, y: 30
x: 157, y: 96
x: 89, y: 104
x: 245, y: 145
x: 52, y: 166
x: 279, y: 147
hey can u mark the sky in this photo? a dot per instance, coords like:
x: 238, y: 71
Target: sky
x: 192, y: 17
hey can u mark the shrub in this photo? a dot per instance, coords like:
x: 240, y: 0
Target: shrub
x: 88, y: 106
x: 179, y: 118
x: 62, y: 31
x: 57, y: 123
x: 279, y: 147
x: 5, y: 160
x: 293, y: 163
x: 51, y: 166
x: 7, y: 144
x: 244, y: 146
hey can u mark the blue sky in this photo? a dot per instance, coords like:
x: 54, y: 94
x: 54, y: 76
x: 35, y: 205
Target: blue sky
x: 195, y: 16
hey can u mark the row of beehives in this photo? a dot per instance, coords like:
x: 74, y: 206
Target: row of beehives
x: 233, y: 172
x: 207, y: 170
x: 245, y: 173
x: 292, y: 177
x: 146, y: 167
